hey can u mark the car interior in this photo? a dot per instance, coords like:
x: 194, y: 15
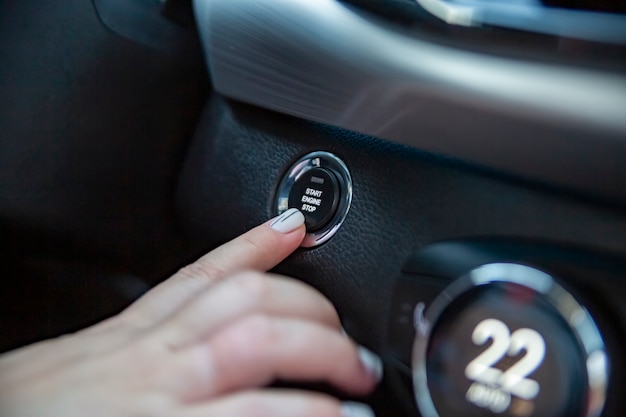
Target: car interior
x: 461, y: 165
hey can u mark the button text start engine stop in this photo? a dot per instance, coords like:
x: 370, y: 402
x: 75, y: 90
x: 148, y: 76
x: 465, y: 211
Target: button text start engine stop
x: 316, y: 194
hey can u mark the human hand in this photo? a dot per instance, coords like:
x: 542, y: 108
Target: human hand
x: 202, y: 343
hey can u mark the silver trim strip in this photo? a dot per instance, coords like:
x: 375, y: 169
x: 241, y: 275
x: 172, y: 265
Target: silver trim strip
x: 532, y: 16
x: 323, y: 61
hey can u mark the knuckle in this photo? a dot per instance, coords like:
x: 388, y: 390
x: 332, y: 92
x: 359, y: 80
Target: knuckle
x: 260, y: 327
x: 256, y: 333
x: 253, y: 245
x: 252, y: 285
x: 202, y: 269
x: 138, y: 360
x: 328, y: 310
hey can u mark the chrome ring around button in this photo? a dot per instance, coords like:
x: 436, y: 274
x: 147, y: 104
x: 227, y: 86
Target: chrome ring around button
x: 332, y: 163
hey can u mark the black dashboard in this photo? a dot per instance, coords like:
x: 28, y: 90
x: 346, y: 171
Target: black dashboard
x: 166, y: 129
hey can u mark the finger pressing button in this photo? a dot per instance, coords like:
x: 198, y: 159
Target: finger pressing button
x: 316, y: 194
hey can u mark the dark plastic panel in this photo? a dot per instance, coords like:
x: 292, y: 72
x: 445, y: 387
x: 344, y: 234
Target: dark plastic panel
x: 93, y: 130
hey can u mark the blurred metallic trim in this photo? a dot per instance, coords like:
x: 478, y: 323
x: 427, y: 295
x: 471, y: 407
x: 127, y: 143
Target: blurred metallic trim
x: 323, y: 61
x: 532, y: 16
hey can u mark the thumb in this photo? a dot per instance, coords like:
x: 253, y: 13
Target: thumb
x: 259, y: 249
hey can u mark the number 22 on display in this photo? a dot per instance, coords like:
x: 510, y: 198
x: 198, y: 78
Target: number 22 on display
x: 492, y: 388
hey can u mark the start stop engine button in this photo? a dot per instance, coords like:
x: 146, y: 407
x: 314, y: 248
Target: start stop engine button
x: 316, y: 194
x: 320, y: 186
x: 507, y: 340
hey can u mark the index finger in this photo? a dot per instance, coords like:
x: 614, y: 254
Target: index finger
x: 259, y: 249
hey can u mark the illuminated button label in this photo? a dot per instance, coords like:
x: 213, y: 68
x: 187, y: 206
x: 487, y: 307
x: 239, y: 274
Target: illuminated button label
x: 316, y: 194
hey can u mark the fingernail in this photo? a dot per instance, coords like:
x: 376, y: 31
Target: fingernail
x: 352, y: 409
x: 288, y: 221
x: 372, y: 363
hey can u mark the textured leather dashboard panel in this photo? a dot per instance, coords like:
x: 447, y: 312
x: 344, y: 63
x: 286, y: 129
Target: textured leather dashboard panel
x: 403, y: 199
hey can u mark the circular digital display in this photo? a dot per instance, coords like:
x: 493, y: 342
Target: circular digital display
x: 507, y: 340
